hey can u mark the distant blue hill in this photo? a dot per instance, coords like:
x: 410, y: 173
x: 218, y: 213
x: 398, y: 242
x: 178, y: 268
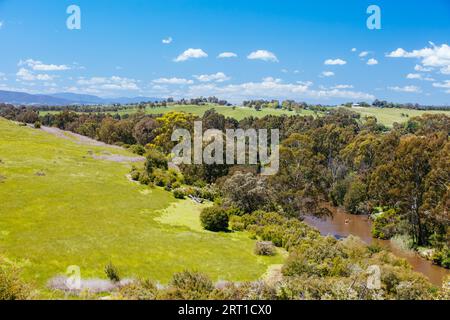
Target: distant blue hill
x: 65, y: 98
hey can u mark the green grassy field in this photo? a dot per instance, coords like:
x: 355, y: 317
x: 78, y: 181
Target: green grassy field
x: 238, y: 113
x: 385, y: 116
x: 60, y: 207
x: 388, y: 116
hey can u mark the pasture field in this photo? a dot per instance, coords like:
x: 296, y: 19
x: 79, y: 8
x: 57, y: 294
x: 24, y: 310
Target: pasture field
x: 60, y: 206
x: 237, y: 113
x: 386, y: 116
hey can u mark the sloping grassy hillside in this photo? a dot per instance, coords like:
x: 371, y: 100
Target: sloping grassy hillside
x: 59, y: 207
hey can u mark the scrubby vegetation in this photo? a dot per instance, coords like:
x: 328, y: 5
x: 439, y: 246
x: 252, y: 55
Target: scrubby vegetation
x: 12, y: 287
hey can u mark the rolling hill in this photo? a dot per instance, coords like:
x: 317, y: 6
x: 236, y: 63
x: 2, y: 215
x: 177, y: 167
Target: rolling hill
x: 65, y: 98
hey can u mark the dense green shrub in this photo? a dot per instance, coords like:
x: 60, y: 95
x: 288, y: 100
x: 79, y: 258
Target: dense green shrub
x: 235, y: 212
x: 135, y: 175
x: 162, y: 178
x: 155, y: 160
x: 322, y: 257
x: 442, y: 257
x: 236, y: 223
x: 264, y: 248
x: 206, y: 193
x: 178, y: 193
x: 214, y: 219
x: 138, y: 149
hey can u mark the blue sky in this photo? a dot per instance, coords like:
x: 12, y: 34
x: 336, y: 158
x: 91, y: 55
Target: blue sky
x: 299, y: 50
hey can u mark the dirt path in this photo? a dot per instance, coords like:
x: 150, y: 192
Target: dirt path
x: 91, y: 142
x: 76, y: 137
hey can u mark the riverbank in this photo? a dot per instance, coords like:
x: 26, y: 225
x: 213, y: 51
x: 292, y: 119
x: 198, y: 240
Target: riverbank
x: 343, y: 224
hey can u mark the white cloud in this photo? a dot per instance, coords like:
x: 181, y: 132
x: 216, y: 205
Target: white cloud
x: 274, y: 88
x: 418, y: 76
x: 445, y: 84
x: 217, y: 77
x: 419, y: 68
x: 433, y: 56
x: 225, y: 55
x: 40, y: 66
x: 114, y: 83
x: 446, y: 70
x: 327, y: 74
x: 354, y: 49
x: 363, y: 54
x: 263, y: 55
x: 408, y: 89
x: 335, y: 62
x: 1, y: 24
x: 372, y: 62
x: 342, y: 86
x: 26, y: 75
x: 3, y: 77
x: 306, y: 83
x: 191, y: 54
x: 178, y: 81
x: 167, y: 40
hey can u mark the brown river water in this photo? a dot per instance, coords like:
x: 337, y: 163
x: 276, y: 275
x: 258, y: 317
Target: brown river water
x: 343, y: 224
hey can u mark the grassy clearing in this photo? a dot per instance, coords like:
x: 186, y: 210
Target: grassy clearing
x: 59, y: 207
x: 388, y: 116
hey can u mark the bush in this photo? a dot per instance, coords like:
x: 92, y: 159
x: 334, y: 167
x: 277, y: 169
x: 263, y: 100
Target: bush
x: 235, y: 212
x: 37, y: 125
x: 323, y: 257
x: 139, y: 290
x: 155, y: 160
x: 135, y: 175
x: 138, y: 149
x: 442, y: 257
x: 166, y: 178
x: 11, y: 285
x: 214, y: 219
x: 236, y: 223
x: 264, y: 248
x: 112, y: 272
x: 385, y: 225
x: 206, y: 193
x: 144, y: 178
x: 178, y: 193
x: 189, y: 286
x: 272, y: 233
